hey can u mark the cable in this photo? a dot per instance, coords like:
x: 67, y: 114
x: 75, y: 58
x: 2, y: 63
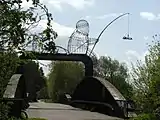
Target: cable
x: 128, y: 25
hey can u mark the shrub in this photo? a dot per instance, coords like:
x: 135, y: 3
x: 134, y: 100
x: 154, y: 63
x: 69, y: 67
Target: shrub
x: 3, y: 112
x: 145, y: 117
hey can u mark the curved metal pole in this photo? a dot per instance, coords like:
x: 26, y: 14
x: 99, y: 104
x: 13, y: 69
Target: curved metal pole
x: 63, y: 49
x: 105, y: 29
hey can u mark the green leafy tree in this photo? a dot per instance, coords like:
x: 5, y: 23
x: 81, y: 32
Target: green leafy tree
x: 8, y: 65
x: 96, y: 67
x: 141, y: 80
x: 43, y: 93
x: 63, y: 78
x: 116, y: 73
x: 17, y: 24
x: 16, y: 33
x: 35, y: 79
x: 147, y: 80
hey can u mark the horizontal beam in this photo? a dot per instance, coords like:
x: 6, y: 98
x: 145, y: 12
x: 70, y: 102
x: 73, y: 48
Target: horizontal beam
x: 85, y: 59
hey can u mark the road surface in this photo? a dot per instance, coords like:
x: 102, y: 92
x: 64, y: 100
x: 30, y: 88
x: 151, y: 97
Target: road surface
x: 54, y: 111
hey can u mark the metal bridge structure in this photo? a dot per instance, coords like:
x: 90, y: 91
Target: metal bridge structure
x: 101, y: 95
x: 97, y: 94
x: 80, y: 42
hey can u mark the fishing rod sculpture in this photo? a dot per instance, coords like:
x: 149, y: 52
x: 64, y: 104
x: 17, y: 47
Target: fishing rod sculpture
x: 80, y: 42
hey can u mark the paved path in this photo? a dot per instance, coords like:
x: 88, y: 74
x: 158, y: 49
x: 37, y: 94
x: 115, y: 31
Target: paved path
x: 54, y: 111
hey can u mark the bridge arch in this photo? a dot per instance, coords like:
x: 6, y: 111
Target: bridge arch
x: 94, y: 89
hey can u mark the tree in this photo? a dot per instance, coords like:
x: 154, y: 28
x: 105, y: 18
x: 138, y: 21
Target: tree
x: 35, y: 79
x: 43, y: 93
x: 16, y: 33
x: 8, y: 65
x: 17, y: 24
x: 63, y: 78
x: 116, y: 73
x: 96, y: 67
x: 147, y: 80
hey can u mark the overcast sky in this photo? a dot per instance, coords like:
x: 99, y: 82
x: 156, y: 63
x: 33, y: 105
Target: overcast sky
x: 144, y: 23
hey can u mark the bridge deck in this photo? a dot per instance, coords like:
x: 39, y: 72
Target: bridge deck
x: 54, y: 111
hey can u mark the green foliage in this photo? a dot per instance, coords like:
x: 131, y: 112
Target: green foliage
x: 16, y: 33
x: 43, y: 93
x: 8, y: 65
x: 4, y: 111
x: 147, y: 81
x: 63, y: 78
x: 12, y: 118
x: 17, y: 23
x: 116, y: 73
x: 145, y: 117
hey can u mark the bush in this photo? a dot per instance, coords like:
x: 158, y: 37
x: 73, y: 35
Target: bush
x: 8, y: 65
x: 3, y: 112
x: 43, y: 93
x: 145, y: 117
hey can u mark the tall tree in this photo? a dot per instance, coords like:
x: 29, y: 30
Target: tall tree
x: 116, y: 73
x: 8, y: 65
x: 147, y: 80
x: 16, y: 33
x: 43, y: 93
x: 17, y: 24
x: 63, y: 78
x: 35, y: 80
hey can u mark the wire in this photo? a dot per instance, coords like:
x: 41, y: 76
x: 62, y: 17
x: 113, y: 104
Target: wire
x: 128, y: 24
